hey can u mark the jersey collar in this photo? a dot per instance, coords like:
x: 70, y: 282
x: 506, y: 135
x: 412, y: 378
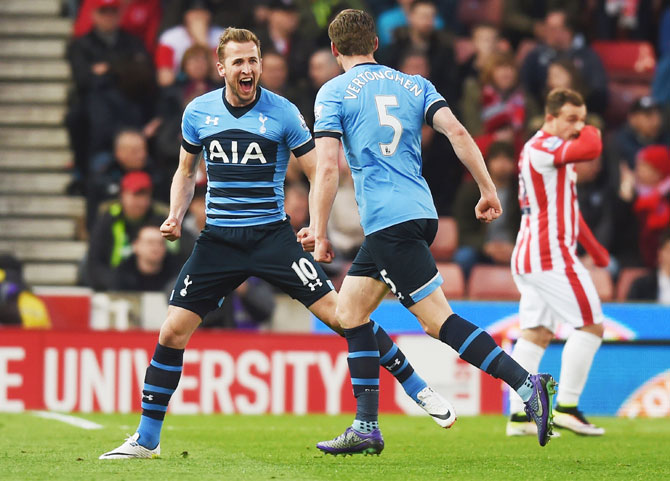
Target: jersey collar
x: 238, y: 112
x: 365, y: 63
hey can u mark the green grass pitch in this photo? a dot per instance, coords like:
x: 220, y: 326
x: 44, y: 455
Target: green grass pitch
x: 282, y: 448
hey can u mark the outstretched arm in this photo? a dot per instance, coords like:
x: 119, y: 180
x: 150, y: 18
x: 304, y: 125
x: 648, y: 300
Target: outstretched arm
x: 181, y: 194
x: 324, y: 188
x: 444, y: 121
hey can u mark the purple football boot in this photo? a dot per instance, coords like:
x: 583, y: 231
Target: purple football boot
x: 540, y: 405
x: 353, y: 442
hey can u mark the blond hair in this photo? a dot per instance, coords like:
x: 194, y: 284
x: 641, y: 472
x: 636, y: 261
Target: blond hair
x: 238, y: 35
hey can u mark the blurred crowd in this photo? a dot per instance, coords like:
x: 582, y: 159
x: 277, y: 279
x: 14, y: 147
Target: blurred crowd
x: 137, y: 63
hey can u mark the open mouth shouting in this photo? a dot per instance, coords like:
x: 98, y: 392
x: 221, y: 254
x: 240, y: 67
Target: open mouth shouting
x: 246, y: 85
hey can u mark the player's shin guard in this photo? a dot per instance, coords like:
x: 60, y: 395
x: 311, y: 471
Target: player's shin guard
x: 363, y: 360
x: 395, y: 362
x: 160, y: 382
x: 477, y: 347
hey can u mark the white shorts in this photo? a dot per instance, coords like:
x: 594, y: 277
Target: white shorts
x: 550, y: 297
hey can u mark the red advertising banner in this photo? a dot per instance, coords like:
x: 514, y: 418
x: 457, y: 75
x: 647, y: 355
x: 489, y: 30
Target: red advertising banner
x: 224, y: 372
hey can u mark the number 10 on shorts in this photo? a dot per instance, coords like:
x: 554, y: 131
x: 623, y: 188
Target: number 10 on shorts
x: 307, y: 274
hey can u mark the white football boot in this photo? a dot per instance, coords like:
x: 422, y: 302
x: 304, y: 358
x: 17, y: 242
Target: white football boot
x: 131, y: 449
x: 573, y: 419
x: 439, y: 408
x: 518, y: 425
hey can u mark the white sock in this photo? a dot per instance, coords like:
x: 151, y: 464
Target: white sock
x: 576, y: 361
x: 528, y: 355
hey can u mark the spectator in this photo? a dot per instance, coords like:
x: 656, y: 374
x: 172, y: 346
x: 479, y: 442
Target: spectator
x: 150, y: 267
x: 247, y: 307
x: 164, y: 131
x: 664, y: 33
x: 196, y: 29
x: 656, y: 285
x: 421, y: 35
x: 223, y: 12
x: 395, y: 18
x: 496, y: 100
x: 281, y: 35
x: 109, y: 243
x: 623, y: 19
x: 661, y: 85
x: 322, y: 67
x: 561, y: 41
x: 485, y: 39
x: 644, y: 127
x: 524, y: 19
x: 560, y: 74
x: 113, y: 79
x: 129, y: 155
x: 19, y: 306
x: 138, y: 17
x: 275, y: 73
x: 650, y: 198
x: 489, y: 243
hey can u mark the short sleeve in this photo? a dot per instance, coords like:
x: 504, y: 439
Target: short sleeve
x: 296, y: 132
x: 432, y: 101
x: 188, y: 131
x: 327, y: 120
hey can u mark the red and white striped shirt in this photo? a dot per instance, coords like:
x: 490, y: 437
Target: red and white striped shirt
x: 547, y: 238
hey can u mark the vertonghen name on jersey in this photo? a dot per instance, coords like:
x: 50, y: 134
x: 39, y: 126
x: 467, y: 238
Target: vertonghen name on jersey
x: 363, y: 78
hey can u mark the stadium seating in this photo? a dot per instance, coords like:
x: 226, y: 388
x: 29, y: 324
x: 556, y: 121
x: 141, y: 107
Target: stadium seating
x: 603, y: 282
x: 454, y: 281
x: 626, y: 278
x: 446, y: 240
x: 492, y: 283
x: 627, y: 60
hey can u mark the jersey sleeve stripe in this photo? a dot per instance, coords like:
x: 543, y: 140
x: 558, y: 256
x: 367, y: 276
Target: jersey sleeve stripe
x: 304, y: 148
x: 328, y: 133
x: 191, y: 148
x: 432, y: 109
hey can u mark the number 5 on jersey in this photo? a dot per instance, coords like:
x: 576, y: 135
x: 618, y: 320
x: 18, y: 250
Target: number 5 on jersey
x: 385, y: 119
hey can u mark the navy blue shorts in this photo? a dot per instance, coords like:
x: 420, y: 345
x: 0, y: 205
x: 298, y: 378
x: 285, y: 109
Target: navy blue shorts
x: 224, y: 257
x: 400, y: 256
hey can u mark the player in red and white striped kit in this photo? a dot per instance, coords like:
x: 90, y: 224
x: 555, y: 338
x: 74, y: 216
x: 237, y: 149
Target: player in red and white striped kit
x: 555, y: 286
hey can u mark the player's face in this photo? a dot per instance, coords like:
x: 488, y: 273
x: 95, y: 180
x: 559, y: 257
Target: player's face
x: 242, y: 70
x: 570, y: 121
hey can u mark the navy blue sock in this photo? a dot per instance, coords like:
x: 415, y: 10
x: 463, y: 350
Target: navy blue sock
x: 363, y: 360
x: 160, y: 382
x: 395, y: 362
x: 477, y: 347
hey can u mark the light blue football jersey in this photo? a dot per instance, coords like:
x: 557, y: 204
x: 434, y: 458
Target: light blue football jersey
x: 246, y: 150
x: 378, y: 112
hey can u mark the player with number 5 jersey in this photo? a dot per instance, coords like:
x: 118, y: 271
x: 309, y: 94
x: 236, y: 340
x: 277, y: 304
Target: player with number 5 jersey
x: 378, y: 112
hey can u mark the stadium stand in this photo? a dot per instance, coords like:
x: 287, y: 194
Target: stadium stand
x: 454, y: 281
x: 38, y: 222
x: 488, y: 282
x: 446, y: 240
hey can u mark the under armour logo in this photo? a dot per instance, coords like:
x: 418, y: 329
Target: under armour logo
x: 187, y: 283
x: 393, y: 364
x: 149, y: 397
x: 210, y: 120
x: 315, y: 284
x: 262, y: 119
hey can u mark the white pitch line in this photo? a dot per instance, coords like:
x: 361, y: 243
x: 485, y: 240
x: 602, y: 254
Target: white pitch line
x: 72, y: 420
